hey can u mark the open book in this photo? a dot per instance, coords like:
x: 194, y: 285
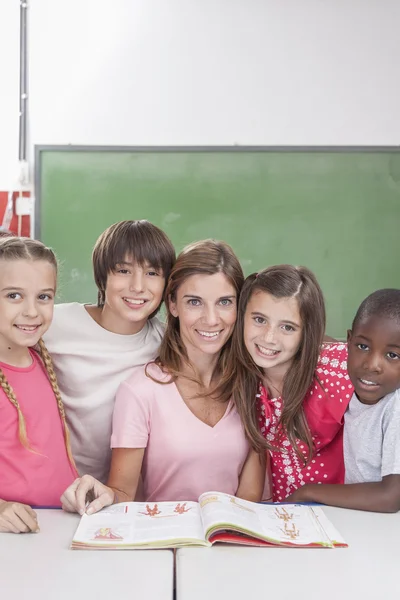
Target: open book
x: 217, y: 517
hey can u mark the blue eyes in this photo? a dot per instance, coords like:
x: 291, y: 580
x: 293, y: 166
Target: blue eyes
x: 223, y: 302
x: 194, y: 302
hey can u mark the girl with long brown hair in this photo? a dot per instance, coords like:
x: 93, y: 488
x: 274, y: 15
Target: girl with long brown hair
x: 291, y: 389
x: 173, y: 420
x: 35, y: 455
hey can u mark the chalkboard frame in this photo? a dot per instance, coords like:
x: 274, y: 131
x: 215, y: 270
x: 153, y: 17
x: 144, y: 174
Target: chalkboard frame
x: 39, y: 148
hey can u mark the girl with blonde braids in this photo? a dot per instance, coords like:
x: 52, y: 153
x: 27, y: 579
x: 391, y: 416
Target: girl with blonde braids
x: 36, y: 463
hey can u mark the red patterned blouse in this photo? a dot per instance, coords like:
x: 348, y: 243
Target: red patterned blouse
x: 324, y: 406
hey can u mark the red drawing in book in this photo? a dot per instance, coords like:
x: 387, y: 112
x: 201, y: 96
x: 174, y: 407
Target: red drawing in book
x: 106, y: 533
x: 181, y: 508
x: 151, y: 512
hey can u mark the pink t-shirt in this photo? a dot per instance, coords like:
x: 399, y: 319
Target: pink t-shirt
x: 36, y: 478
x: 184, y: 457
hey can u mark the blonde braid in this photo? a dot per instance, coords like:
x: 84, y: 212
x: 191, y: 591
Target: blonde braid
x: 9, y: 392
x: 48, y: 363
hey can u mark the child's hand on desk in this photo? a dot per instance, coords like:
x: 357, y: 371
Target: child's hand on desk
x: 300, y: 495
x: 87, y: 489
x: 17, y: 518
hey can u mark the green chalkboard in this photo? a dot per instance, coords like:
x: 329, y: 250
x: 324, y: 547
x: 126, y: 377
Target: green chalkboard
x: 336, y: 211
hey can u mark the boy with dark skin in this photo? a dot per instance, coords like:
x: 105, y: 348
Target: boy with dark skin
x: 372, y: 420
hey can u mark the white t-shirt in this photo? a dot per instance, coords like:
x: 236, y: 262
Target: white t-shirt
x: 90, y: 363
x: 372, y: 439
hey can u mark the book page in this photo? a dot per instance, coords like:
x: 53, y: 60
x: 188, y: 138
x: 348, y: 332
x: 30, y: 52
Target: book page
x: 328, y: 527
x: 289, y: 524
x: 140, y: 523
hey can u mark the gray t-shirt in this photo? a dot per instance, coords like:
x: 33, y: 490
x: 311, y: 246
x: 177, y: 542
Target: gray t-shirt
x: 372, y: 439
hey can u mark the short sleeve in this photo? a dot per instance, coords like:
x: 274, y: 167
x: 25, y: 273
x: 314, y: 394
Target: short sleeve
x: 131, y: 417
x: 391, y: 439
x: 330, y: 394
x: 332, y: 362
x: 331, y: 374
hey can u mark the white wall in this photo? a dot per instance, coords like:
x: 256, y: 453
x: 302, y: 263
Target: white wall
x: 9, y: 92
x: 210, y: 72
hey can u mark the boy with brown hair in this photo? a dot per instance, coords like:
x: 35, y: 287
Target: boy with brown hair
x: 95, y: 347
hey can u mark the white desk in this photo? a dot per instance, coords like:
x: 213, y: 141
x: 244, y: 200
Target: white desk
x: 367, y: 570
x: 40, y: 566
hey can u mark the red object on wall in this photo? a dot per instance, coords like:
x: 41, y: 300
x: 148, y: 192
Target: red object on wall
x: 25, y: 219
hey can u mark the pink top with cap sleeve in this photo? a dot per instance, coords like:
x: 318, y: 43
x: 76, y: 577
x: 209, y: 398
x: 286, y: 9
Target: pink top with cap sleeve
x: 184, y: 456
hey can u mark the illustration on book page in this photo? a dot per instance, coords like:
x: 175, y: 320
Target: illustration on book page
x: 154, y: 511
x: 106, y: 533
